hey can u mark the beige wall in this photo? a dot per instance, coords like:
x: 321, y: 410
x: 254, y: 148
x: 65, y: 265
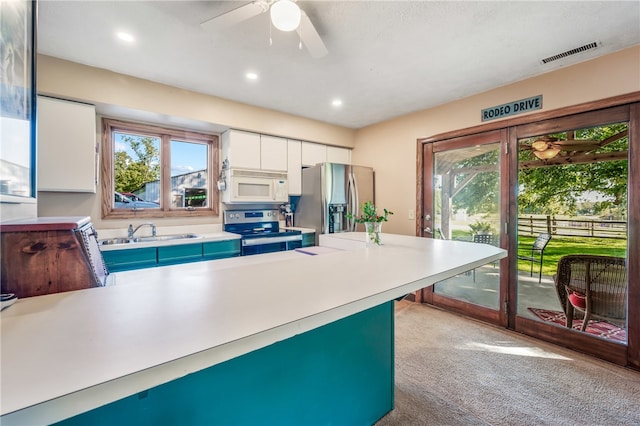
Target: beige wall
x: 70, y: 80
x: 390, y: 147
x: 122, y: 96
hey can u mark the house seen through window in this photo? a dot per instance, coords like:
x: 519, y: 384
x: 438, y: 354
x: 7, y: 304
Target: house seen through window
x: 154, y: 172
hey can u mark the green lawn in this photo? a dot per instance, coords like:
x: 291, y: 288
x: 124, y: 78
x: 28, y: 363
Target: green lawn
x: 560, y: 246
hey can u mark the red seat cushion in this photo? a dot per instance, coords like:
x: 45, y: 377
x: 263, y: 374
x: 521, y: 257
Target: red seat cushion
x: 577, y: 299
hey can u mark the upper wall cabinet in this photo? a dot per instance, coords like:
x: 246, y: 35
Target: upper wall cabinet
x: 66, y: 145
x: 273, y: 153
x: 313, y: 153
x: 338, y: 155
x: 294, y: 167
x: 242, y: 149
x: 246, y: 150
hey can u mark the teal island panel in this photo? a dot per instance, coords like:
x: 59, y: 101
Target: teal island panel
x: 338, y: 374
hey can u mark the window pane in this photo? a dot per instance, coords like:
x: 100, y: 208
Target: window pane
x: 136, y: 171
x: 466, y: 207
x: 579, y: 197
x: 158, y: 172
x: 189, y: 174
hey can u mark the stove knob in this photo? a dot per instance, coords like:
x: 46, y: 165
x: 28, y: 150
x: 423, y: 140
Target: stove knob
x: 268, y: 214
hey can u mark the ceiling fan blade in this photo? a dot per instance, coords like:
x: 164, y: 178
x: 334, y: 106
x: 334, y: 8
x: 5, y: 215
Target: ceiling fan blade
x: 235, y: 16
x: 577, y: 147
x: 310, y: 37
x: 577, y: 142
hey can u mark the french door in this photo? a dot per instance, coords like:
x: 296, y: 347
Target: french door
x: 464, y: 195
x: 468, y: 188
x: 591, y: 144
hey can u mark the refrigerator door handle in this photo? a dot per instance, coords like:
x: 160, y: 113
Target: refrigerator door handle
x: 355, y: 202
x: 349, y: 220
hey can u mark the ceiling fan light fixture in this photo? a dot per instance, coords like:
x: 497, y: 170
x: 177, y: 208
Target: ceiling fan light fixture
x: 285, y: 15
x: 547, y: 153
x: 539, y: 145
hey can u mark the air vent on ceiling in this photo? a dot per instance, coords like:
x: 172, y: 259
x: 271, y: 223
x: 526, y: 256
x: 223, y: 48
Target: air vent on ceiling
x: 577, y: 50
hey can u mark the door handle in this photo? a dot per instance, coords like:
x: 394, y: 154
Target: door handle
x: 428, y: 230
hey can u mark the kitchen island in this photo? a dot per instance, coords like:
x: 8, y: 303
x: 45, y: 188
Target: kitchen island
x: 282, y: 338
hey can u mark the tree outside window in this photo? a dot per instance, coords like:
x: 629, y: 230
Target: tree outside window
x: 156, y: 172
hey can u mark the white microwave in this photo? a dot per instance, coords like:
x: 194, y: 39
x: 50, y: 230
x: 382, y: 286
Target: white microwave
x: 255, y: 186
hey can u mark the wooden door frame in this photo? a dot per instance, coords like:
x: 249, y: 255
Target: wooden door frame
x: 427, y: 295
x: 535, y: 124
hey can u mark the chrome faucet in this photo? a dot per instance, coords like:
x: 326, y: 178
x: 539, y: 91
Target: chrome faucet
x: 132, y: 231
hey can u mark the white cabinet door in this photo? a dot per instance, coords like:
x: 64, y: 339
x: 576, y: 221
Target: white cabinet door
x: 242, y: 149
x: 273, y: 153
x: 338, y: 155
x: 294, y: 167
x: 66, y: 144
x: 313, y: 153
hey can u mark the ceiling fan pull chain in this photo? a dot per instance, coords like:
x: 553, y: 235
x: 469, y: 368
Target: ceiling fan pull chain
x: 270, y: 39
x: 300, y: 36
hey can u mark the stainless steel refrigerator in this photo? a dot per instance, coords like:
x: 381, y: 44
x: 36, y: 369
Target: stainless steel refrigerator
x: 330, y: 191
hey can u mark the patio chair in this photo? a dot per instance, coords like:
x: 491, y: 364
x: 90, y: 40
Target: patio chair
x: 594, y: 285
x: 483, y: 239
x: 537, y: 253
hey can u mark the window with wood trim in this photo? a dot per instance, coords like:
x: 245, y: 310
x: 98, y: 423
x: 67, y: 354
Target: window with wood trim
x: 151, y: 171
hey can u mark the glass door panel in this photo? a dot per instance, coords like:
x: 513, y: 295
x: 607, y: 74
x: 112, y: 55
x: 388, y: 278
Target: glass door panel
x: 466, y: 206
x: 572, y: 204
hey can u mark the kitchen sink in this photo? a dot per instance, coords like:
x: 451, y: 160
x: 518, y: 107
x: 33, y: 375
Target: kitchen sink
x: 164, y: 238
x: 111, y: 241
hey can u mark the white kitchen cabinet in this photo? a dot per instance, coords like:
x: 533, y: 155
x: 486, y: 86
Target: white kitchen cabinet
x: 338, y: 155
x: 313, y: 153
x: 242, y: 149
x: 66, y: 146
x: 246, y: 150
x: 294, y: 166
x: 273, y: 153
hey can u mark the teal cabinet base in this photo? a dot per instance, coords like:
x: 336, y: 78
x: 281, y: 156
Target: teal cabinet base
x: 341, y: 373
x: 170, y: 255
x: 149, y: 257
x: 309, y: 239
x: 220, y: 249
x: 125, y: 260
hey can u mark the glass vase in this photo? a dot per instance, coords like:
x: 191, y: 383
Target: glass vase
x: 373, y: 233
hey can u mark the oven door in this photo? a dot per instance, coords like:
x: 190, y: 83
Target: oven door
x: 270, y: 244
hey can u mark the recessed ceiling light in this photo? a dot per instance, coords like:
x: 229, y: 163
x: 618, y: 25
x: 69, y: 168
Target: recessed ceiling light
x: 251, y: 76
x: 336, y: 102
x: 125, y: 37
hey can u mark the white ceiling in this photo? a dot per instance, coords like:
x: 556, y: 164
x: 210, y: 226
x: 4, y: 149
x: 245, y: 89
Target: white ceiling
x: 386, y: 58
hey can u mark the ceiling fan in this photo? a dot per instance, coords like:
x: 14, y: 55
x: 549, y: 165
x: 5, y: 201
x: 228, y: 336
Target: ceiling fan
x: 547, y: 147
x: 286, y: 15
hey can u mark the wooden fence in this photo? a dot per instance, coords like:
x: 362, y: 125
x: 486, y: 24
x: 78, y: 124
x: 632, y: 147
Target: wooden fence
x: 534, y: 225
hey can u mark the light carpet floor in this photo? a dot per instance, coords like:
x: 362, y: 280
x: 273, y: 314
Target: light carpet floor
x: 451, y: 370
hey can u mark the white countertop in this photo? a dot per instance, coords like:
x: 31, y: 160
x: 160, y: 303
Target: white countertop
x: 66, y: 353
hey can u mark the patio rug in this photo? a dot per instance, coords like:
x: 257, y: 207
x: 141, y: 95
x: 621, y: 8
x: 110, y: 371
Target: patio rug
x: 602, y: 329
